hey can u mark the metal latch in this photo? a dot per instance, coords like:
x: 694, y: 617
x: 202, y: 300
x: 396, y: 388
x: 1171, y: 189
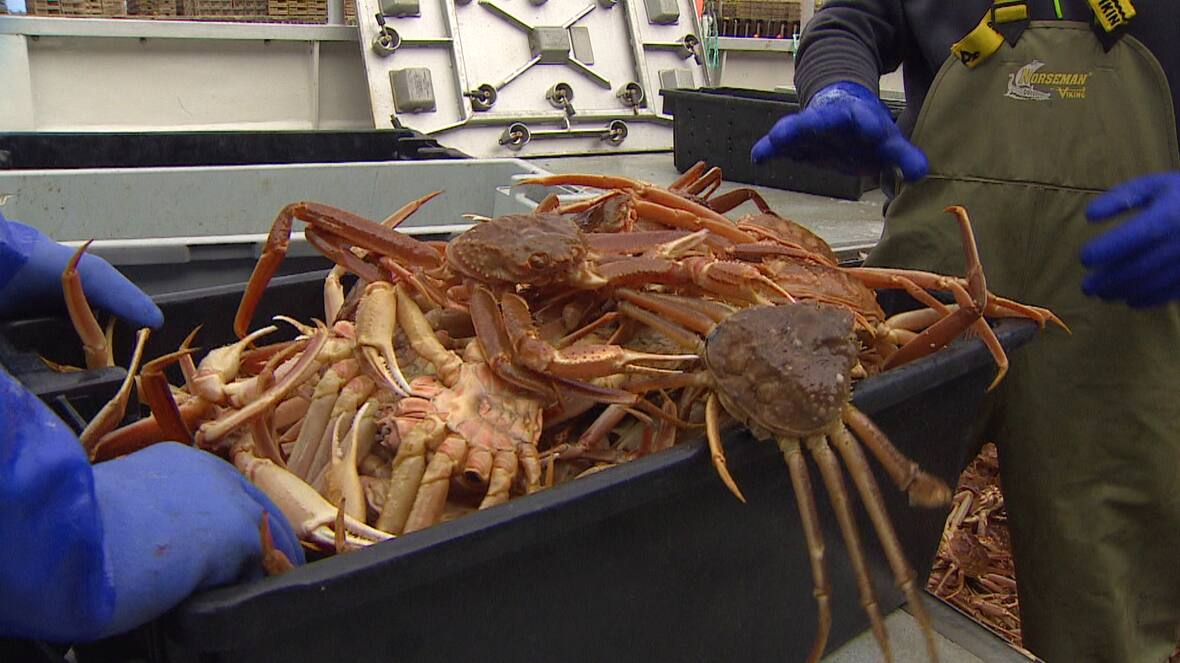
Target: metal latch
x: 517, y: 135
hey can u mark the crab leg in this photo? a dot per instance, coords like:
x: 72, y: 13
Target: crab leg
x: 111, y: 413
x: 829, y: 468
x: 492, y: 337
x: 662, y: 198
x: 716, y: 451
x: 667, y: 215
x: 273, y: 560
x: 329, y: 220
x: 971, y: 302
x: 310, y: 514
x: 503, y: 473
x: 688, y: 177
x: 731, y: 199
x: 146, y: 431
x: 95, y: 344
x: 705, y: 185
x: 342, y: 483
x: 221, y: 366
x: 432, y: 493
x: 409, y: 467
x: 354, y: 395
x: 581, y: 361
x: 809, y: 516
x: 316, y: 422
x: 158, y: 394
x: 870, y: 494
x: 923, y: 489
x: 214, y: 431
x: 376, y: 324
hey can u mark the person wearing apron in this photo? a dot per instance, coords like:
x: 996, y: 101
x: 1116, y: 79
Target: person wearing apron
x: 1052, y: 122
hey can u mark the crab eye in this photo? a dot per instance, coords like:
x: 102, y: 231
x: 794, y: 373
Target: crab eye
x: 538, y: 261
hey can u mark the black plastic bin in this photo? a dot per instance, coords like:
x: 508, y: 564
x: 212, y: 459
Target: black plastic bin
x: 720, y: 126
x: 50, y: 150
x: 653, y: 560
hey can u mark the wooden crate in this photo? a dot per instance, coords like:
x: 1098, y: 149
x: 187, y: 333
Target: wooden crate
x: 298, y: 11
x: 148, y: 8
x: 76, y: 8
x: 227, y: 10
x: 760, y: 10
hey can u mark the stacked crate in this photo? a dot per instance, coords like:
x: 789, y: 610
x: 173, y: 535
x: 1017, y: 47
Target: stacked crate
x: 298, y: 11
x: 92, y: 8
x: 152, y: 8
x: 759, y: 18
x: 224, y: 10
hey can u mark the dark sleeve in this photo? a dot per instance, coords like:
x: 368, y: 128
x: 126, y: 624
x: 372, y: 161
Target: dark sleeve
x: 850, y: 40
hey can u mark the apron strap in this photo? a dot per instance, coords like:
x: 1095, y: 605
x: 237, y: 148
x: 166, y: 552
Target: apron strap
x: 1110, y: 20
x: 1006, y: 20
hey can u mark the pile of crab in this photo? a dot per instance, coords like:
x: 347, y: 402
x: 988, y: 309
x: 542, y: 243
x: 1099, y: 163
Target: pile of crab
x: 974, y: 570
x: 535, y: 348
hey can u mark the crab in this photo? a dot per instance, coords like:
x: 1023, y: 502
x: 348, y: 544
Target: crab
x: 808, y: 351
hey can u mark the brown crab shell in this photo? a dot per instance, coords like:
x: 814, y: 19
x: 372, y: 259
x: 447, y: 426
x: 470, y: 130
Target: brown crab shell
x: 792, y: 231
x: 526, y: 249
x: 784, y: 370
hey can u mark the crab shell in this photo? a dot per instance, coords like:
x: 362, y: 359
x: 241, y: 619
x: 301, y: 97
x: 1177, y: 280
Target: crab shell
x: 527, y: 249
x: 784, y: 370
x: 792, y: 232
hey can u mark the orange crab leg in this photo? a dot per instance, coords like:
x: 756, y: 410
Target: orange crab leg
x: 647, y: 191
x: 307, y: 364
x: 146, y: 432
x: 691, y: 175
x: 705, y: 185
x: 583, y: 361
x: 352, y: 228
x: 809, y: 515
x: 333, y: 249
x: 97, y: 348
x: 394, y: 220
x: 731, y: 199
x: 273, y: 559
x: 780, y: 248
x: 158, y: 394
x: 971, y: 300
x: 686, y: 220
x: 111, y: 413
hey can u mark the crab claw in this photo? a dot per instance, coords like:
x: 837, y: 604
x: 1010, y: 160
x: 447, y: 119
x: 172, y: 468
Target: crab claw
x: 95, y: 343
x: 312, y: 516
x: 376, y: 324
x: 221, y: 366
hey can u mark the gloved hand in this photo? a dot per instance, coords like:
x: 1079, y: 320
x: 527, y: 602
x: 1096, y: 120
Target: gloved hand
x: 30, y: 279
x: 846, y: 127
x: 95, y: 551
x: 1138, y: 261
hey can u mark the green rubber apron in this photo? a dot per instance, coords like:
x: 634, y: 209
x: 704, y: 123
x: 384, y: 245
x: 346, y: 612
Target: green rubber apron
x: 1088, y: 425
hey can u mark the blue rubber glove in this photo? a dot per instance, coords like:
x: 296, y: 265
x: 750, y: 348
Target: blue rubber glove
x: 1139, y: 261
x: 91, y: 552
x: 845, y: 127
x: 30, y: 279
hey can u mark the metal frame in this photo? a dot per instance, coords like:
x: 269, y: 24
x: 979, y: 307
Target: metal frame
x: 468, y: 104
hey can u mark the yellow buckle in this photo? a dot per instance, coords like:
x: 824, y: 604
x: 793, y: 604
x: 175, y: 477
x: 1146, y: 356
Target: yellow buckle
x: 979, y: 44
x: 1009, y: 12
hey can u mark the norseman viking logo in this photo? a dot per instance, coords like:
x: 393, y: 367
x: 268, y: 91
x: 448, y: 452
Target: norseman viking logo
x: 1030, y: 84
